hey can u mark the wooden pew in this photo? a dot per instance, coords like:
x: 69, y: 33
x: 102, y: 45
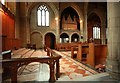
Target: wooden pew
x: 31, y: 46
x: 73, y: 51
x: 100, y: 54
x: 28, y: 46
x: 34, y: 46
x: 66, y: 46
x: 83, y: 51
x: 15, y: 63
x: 92, y: 54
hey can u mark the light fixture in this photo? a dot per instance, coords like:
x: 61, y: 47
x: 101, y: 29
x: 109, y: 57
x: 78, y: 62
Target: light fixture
x: 81, y: 21
x: 56, y: 18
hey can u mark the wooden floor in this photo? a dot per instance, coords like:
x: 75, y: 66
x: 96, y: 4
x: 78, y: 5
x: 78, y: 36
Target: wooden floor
x: 70, y: 69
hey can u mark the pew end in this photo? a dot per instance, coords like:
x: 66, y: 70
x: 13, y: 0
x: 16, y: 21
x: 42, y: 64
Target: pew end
x: 91, y: 54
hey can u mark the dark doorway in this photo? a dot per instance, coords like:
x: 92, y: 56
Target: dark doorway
x: 75, y: 38
x: 50, y: 40
x: 64, y: 38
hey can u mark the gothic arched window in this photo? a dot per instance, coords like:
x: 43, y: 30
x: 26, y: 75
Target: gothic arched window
x: 43, y: 16
x: 96, y: 32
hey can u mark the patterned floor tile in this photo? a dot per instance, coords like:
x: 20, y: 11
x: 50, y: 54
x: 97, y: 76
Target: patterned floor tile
x: 80, y: 71
x: 75, y: 75
x: 73, y: 66
x: 69, y: 69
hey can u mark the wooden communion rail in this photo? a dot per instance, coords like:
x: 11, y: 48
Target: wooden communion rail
x: 12, y: 65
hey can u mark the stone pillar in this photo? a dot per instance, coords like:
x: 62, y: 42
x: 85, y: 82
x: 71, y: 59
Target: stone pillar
x: 81, y: 31
x: 17, y: 23
x: 70, y: 39
x: 27, y: 29
x: 23, y: 24
x: 43, y: 42
x: 103, y: 30
x: 113, y: 58
x: 23, y: 30
x: 27, y: 24
x: 57, y: 29
x: 85, y: 36
x: 57, y: 20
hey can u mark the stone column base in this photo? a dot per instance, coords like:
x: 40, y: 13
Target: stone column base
x: 114, y: 75
x: 113, y: 68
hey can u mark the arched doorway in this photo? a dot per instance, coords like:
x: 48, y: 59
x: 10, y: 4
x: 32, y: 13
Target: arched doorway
x: 74, y: 38
x: 64, y: 38
x: 50, y: 40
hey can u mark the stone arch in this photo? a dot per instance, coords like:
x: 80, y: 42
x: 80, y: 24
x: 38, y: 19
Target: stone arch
x: 32, y: 27
x: 64, y: 32
x: 94, y: 21
x: 64, y: 38
x: 79, y: 13
x: 69, y: 20
x: 50, y: 32
x: 36, y: 38
x: 76, y: 8
x: 76, y: 33
x: 94, y: 18
x: 51, y: 5
x: 35, y: 31
x: 97, y: 13
x: 33, y: 16
x: 75, y: 37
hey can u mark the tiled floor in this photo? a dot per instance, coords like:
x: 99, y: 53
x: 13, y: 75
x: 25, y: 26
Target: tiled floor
x: 70, y: 69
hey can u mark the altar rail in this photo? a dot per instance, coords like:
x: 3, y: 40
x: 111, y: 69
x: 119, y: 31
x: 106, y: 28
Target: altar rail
x: 14, y: 64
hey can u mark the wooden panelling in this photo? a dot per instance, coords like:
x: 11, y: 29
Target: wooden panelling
x: 8, y: 30
x: 100, y: 54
